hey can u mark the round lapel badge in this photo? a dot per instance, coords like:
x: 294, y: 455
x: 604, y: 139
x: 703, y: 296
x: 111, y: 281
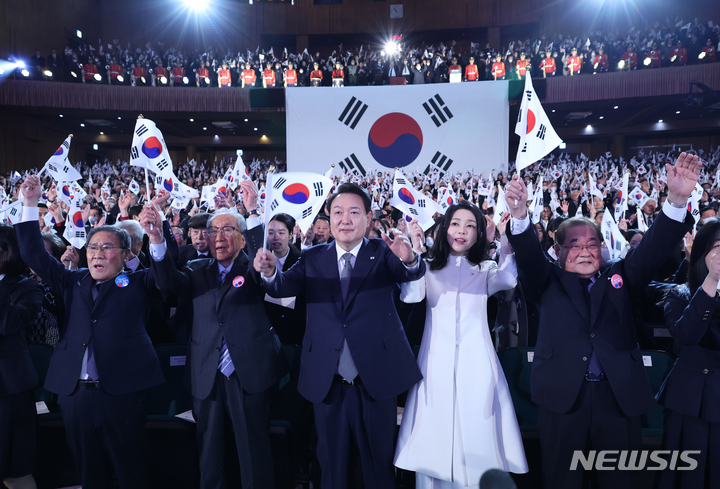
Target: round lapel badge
x: 238, y: 281
x: 122, y: 281
x: 616, y: 281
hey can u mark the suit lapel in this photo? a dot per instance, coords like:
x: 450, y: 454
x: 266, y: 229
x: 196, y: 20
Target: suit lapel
x: 239, y: 267
x: 327, y: 263
x: 597, y: 292
x: 366, y: 259
x: 573, y: 287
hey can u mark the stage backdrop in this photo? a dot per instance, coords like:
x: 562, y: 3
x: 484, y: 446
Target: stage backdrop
x: 446, y: 127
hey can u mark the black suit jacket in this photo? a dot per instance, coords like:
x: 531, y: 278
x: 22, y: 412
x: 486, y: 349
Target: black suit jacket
x: 20, y: 302
x: 235, y: 313
x: 115, y: 321
x: 568, y: 332
x: 367, y: 319
x: 188, y: 253
x: 692, y: 387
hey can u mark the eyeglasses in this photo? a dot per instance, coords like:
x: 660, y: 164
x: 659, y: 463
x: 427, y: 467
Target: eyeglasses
x: 577, y: 248
x: 106, y: 248
x: 226, y: 231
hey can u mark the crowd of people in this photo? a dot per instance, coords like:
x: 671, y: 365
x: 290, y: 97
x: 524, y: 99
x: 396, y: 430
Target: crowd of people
x: 664, y: 44
x: 356, y: 290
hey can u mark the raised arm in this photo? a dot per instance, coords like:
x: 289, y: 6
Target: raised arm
x: 532, y: 264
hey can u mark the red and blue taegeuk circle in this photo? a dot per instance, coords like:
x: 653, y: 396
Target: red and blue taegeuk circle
x: 168, y: 184
x: 58, y: 152
x: 152, y: 147
x: 296, y: 193
x: 77, y: 219
x: 450, y: 201
x: 395, y: 140
x: 66, y: 191
x: 405, y: 195
x: 223, y: 191
x: 619, y: 197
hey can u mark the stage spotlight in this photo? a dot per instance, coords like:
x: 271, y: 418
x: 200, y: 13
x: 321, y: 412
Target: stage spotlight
x: 647, y: 61
x: 48, y: 73
x: 196, y: 5
x: 25, y: 73
x: 186, y: 80
x: 207, y: 80
x: 97, y: 77
x: 391, y: 47
x: 20, y: 64
x: 142, y: 79
x: 95, y: 147
x: 120, y: 79
x: 78, y: 33
x: 163, y: 80
x: 621, y: 64
x: 73, y: 74
x: 702, y: 55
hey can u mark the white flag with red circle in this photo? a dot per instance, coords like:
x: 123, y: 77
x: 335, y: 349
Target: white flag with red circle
x: 537, y: 136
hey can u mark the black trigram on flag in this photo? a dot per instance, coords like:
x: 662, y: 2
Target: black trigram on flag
x: 439, y: 162
x: 163, y: 164
x: 541, y: 132
x: 437, y: 110
x: 141, y: 130
x: 307, y: 212
x: 274, y: 205
x: 528, y: 94
x: 524, y: 150
x: 52, y: 168
x: 413, y: 211
x: 134, y: 154
x: 354, y: 110
x: 351, y: 164
x: 80, y: 234
x: 401, y: 181
x: 279, y: 183
x: 318, y: 186
x: 421, y: 202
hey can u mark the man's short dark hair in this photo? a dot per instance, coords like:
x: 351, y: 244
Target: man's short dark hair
x: 135, y: 210
x: 574, y: 222
x: 122, y: 235
x: 351, y: 188
x: 55, y: 243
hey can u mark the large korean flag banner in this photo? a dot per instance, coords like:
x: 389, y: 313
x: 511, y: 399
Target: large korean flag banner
x: 436, y: 127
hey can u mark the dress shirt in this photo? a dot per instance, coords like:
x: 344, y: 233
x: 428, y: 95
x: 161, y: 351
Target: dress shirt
x: 133, y: 263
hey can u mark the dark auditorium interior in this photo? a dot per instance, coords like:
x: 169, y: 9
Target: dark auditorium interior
x: 621, y: 110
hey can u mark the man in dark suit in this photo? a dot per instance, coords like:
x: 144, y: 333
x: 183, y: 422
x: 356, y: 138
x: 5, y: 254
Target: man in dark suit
x: 355, y: 356
x: 588, y: 377
x: 104, y: 359
x: 234, y: 351
x: 200, y: 248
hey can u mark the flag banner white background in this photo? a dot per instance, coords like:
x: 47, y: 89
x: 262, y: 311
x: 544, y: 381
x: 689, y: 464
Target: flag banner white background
x: 442, y: 127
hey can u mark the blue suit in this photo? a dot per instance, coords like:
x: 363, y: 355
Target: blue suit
x: 106, y: 421
x: 368, y: 321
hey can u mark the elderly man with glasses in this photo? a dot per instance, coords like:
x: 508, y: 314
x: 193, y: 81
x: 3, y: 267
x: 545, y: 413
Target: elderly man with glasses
x: 234, y: 355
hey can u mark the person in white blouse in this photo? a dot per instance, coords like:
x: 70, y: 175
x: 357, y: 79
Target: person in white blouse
x: 459, y: 420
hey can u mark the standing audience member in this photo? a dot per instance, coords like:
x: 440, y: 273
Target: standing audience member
x: 20, y: 303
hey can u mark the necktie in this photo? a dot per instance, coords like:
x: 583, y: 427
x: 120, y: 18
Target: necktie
x: 346, y: 366
x: 91, y: 368
x: 225, y: 364
x: 594, y: 366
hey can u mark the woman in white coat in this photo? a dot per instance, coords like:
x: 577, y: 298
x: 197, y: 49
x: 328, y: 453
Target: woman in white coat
x: 459, y: 419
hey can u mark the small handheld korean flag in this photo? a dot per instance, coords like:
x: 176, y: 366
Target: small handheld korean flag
x: 408, y: 200
x: 447, y: 198
x: 134, y: 187
x: 694, y: 203
x: 13, y: 212
x: 614, y: 239
x: 641, y: 224
x: 501, y: 206
x: 537, y: 136
x: 236, y: 173
x: 621, y: 201
x: 639, y: 197
x: 105, y: 189
x: 58, y: 165
x: 538, y: 201
x: 298, y: 194
x: 74, y: 225
x: 149, y: 149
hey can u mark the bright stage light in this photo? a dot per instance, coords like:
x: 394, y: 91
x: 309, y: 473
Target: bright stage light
x: 185, y: 80
x: 78, y: 33
x: 702, y: 55
x: 97, y: 77
x: 73, y: 74
x: 163, y: 80
x: 391, y: 47
x: 25, y: 73
x: 196, y: 5
x: 120, y: 78
x: 621, y: 64
x: 647, y: 61
x: 20, y: 63
x: 95, y: 147
x: 48, y: 73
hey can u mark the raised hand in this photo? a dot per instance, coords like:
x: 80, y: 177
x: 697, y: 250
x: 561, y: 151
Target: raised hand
x: 52, y: 193
x: 565, y: 207
x: 400, y: 246
x: 70, y: 258
x: 516, y: 197
x: 250, y: 194
x: 31, y: 190
x: 490, y: 228
x: 151, y: 221
x: 160, y: 199
x: 417, y: 235
x: 124, y: 203
x: 682, y: 177
x: 502, y: 225
x: 56, y: 212
x: 265, y: 262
